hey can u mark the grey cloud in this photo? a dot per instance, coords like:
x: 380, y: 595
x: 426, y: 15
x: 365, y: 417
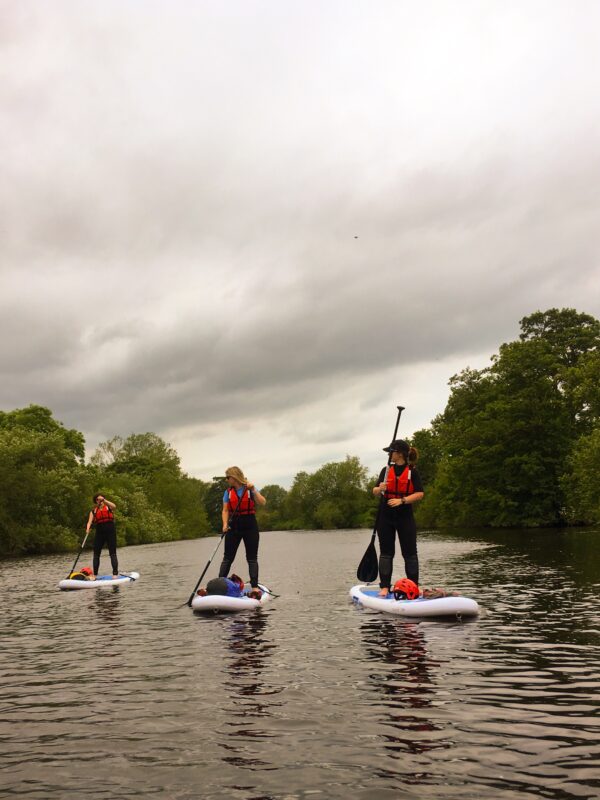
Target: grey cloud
x: 234, y: 239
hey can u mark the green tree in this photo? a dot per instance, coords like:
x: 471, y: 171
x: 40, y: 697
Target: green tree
x: 270, y: 517
x: 335, y: 496
x: 506, y: 430
x: 44, y: 486
x: 40, y: 419
x: 213, y: 502
x: 142, y: 454
x: 581, y: 480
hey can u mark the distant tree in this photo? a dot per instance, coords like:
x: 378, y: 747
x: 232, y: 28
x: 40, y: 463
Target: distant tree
x: 143, y: 454
x: 213, y: 502
x: 40, y: 419
x: 507, y: 429
x: 581, y: 480
x: 335, y: 496
x: 426, y: 442
x: 270, y: 517
x: 43, y: 489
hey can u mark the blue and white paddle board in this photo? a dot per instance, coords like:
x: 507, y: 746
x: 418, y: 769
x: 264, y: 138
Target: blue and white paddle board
x: 213, y: 603
x: 123, y: 579
x: 367, y: 597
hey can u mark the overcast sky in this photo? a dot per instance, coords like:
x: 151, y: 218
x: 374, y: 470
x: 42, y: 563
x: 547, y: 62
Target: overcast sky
x: 255, y: 228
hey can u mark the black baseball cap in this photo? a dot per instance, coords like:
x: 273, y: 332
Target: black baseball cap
x: 397, y: 446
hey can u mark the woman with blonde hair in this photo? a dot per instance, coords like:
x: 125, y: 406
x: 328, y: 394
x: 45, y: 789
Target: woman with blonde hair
x: 239, y: 522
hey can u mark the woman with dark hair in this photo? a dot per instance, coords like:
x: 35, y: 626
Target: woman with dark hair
x: 103, y: 517
x: 401, y: 486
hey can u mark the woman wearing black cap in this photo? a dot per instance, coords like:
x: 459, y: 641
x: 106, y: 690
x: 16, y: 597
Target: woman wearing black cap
x: 401, y: 485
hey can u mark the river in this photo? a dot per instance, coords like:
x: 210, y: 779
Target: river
x: 123, y: 693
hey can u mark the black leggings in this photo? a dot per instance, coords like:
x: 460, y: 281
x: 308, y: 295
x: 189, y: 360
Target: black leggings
x: 106, y: 534
x: 404, y: 524
x: 244, y: 529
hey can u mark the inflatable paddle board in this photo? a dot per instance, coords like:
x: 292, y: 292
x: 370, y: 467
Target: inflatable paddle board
x: 439, y: 607
x: 213, y: 603
x: 102, y: 580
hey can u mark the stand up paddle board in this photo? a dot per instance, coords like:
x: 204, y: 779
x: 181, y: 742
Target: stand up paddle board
x: 214, y: 603
x: 102, y: 580
x: 422, y: 607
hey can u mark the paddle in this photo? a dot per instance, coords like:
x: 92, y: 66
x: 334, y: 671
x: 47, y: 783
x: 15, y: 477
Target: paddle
x: 230, y: 520
x: 87, y: 533
x: 368, y: 569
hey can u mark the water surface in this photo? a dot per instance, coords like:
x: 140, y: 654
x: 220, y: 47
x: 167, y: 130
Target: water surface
x: 121, y: 694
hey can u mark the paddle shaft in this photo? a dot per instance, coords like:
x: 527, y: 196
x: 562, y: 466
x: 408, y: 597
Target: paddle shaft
x: 87, y: 533
x: 235, y: 510
x: 389, y: 464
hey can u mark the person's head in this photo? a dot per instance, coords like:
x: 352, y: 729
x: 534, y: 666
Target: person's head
x: 401, y: 452
x: 238, y: 580
x: 235, y: 476
x: 98, y: 499
x: 405, y: 589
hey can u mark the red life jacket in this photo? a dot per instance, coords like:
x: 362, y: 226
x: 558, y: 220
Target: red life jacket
x: 246, y: 503
x: 399, y: 486
x: 103, y: 514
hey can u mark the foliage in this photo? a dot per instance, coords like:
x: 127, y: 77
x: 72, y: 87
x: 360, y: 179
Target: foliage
x: 43, y: 491
x: 335, y: 496
x: 499, y: 448
x: 39, y: 419
x: 213, y: 502
x: 518, y: 444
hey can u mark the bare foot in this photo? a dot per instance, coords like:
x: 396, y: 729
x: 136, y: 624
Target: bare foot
x: 383, y: 592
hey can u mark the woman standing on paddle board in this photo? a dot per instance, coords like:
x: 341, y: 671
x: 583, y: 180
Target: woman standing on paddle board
x: 401, y: 489
x: 239, y: 522
x: 103, y: 517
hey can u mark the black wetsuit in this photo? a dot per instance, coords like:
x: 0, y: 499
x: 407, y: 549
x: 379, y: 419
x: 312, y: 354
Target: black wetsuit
x: 398, y: 519
x: 106, y: 534
x: 243, y: 528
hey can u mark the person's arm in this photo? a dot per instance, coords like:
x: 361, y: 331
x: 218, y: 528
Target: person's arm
x: 260, y: 499
x: 89, y: 522
x: 225, y: 517
x: 381, y: 486
x: 112, y: 506
x: 408, y: 500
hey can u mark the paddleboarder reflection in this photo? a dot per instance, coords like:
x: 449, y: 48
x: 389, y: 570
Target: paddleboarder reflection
x: 107, y: 604
x: 406, y: 690
x: 252, y: 698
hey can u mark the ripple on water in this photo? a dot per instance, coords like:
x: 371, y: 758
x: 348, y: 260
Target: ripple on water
x: 310, y: 696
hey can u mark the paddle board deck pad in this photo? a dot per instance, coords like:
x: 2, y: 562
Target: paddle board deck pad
x: 213, y: 603
x: 102, y: 580
x: 367, y: 597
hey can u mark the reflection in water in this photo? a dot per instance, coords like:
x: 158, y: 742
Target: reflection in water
x: 107, y: 604
x: 405, y: 688
x: 244, y: 685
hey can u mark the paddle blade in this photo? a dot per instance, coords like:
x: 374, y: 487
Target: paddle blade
x: 368, y: 569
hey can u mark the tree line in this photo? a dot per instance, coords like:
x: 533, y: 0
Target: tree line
x: 518, y: 445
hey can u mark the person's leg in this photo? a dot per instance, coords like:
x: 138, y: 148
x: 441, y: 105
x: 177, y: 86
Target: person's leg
x: 111, y: 541
x: 251, y: 538
x: 232, y: 542
x: 407, y: 533
x: 386, y: 533
x: 98, y: 545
